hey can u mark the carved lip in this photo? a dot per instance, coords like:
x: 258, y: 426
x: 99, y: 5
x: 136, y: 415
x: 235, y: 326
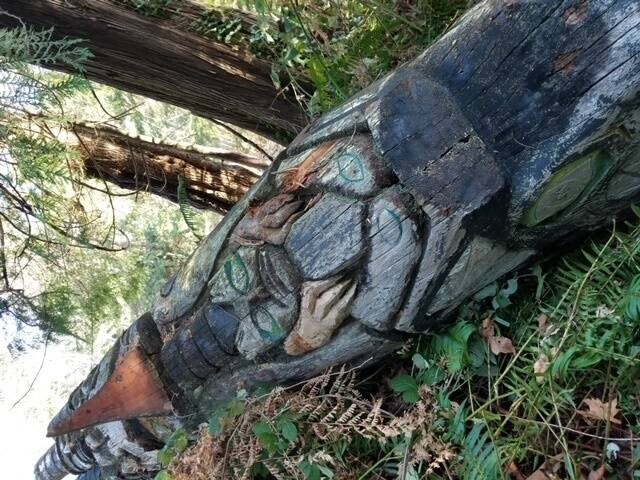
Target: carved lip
x: 134, y: 389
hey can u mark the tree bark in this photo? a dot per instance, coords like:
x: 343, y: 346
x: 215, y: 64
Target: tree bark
x: 163, y: 60
x: 513, y: 133
x: 212, y: 179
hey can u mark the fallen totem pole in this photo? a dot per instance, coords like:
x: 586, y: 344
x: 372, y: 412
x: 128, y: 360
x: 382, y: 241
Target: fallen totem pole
x: 515, y: 131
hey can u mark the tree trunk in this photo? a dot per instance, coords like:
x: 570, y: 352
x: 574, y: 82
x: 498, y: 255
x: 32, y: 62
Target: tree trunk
x: 515, y: 131
x: 163, y: 60
x: 212, y: 179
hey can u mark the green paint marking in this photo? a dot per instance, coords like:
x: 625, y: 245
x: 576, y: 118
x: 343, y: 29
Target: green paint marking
x: 387, y: 234
x: 350, y: 168
x: 276, y: 332
x: 237, y: 274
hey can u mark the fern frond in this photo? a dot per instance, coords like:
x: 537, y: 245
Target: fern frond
x: 190, y: 217
x: 481, y: 460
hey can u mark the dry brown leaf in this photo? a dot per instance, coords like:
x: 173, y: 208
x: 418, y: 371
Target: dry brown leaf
x: 496, y: 344
x: 486, y: 330
x: 600, y: 410
x: 514, y: 472
x: 545, y: 327
x: 599, y: 474
x: 501, y: 345
x: 540, y: 367
x: 543, y: 323
x: 539, y: 475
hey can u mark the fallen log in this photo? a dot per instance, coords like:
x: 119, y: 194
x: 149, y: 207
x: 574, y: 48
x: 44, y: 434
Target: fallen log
x: 516, y: 130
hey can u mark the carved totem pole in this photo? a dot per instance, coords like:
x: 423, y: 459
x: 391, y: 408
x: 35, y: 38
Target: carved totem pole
x: 519, y: 128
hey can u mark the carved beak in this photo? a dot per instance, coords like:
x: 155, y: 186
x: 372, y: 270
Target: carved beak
x: 134, y: 389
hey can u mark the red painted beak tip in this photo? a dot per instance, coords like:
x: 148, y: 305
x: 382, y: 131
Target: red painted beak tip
x: 134, y: 389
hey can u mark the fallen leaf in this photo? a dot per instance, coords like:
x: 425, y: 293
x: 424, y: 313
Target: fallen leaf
x: 601, y: 411
x: 487, y: 330
x: 539, y: 475
x: 543, y: 323
x: 514, y: 472
x: 599, y: 474
x: 496, y: 344
x: 545, y: 327
x: 501, y: 345
x: 540, y: 367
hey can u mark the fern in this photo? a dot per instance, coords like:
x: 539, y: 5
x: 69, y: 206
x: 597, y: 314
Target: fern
x: 453, y: 345
x: 632, y: 300
x: 188, y: 214
x: 481, y: 461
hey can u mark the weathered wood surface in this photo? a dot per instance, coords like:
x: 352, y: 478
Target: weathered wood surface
x: 517, y: 129
x: 164, y: 60
x: 213, y: 179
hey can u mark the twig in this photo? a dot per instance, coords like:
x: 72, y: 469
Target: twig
x: 44, y: 356
x: 243, y: 138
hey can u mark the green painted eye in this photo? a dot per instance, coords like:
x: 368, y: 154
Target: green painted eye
x: 389, y: 225
x: 268, y: 327
x: 567, y: 186
x: 350, y: 167
x: 237, y: 274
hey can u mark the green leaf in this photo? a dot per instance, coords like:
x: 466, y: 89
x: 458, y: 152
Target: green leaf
x: 404, y: 383
x: 181, y: 443
x: 411, y: 396
x: 215, y: 425
x: 326, y: 471
x: 289, y: 430
x: 456, y: 427
x: 266, y: 436
x: 275, y: 78
x: 236, y: 407
x: 511, y: 288
x: 310, y: 470
x: 262, y: 428
x: 461, y: 332
x: 433, y: 375
x: 165, y: 456
x: 162, y: 475
x: 419, y: 361
x: 190, y: 216
x: 411, y: 474
x: 537, y: 272
x: 317, y: 72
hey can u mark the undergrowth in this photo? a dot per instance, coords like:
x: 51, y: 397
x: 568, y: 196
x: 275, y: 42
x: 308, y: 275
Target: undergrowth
x: 538, y: 378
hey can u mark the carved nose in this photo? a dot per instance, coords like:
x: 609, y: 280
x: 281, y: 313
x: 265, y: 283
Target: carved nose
x: 134, y: 389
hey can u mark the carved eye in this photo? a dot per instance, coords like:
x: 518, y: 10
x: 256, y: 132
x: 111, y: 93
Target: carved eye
x: 389, y: 225
x: 267, y: 325
x: 350, y: 167
x: 569, y: 185
x: 237, y: 274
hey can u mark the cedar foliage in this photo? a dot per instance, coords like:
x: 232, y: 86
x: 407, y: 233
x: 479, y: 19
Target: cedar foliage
x: 59, y: 231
